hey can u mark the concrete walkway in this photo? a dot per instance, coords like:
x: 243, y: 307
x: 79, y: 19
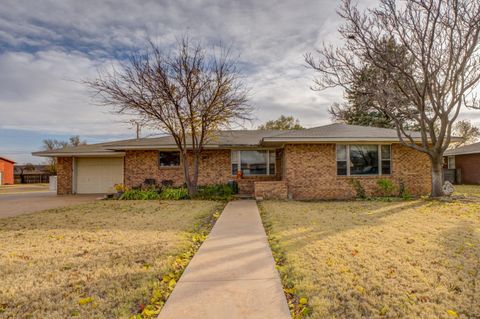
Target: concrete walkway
x: 233, y: 273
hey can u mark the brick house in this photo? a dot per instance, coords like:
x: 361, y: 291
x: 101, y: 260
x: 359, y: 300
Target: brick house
x: 316, y: 163
x: 465, y: 160
x: 6, y: 171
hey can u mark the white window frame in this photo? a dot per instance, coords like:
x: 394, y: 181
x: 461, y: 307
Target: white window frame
x: 379, y: 150
x: 449, y: 162
x: 239, y: 161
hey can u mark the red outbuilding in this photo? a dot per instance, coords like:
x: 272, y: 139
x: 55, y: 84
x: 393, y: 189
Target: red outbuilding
x: 6, y: 171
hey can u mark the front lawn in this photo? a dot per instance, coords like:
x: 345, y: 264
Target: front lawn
x: 95, y: 260
x: 372, y: 259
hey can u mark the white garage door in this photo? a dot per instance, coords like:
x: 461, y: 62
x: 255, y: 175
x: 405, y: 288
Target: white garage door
x: 98, y: 175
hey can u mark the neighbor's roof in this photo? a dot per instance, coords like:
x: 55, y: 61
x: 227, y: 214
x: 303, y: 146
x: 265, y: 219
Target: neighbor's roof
x: 466, y: 149
x: 6, y: 159
x: 37, y: 170
x: 240, y: 138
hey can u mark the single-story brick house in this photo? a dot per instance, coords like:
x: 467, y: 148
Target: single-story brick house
x: 6, y: 171
x: 465, y: 160
x: 316, y: 163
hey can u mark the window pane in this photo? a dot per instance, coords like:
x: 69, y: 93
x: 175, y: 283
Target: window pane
x: 451, y: 162
x: 234, y: 168
x: 169, y: 159
x: 341, y: 168
x: 234, y: 161
x: 272, y: 159
x: 363, y: 159
x: 386, y: 167
x: 385, y: 152
x: 341, y: 152
x: 253, y: 162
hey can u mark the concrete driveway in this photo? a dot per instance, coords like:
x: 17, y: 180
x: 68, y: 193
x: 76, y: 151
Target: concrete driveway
x: 23, y: 203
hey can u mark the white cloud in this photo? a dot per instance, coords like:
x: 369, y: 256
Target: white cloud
x: 43, y: 92
x: 46, y: 44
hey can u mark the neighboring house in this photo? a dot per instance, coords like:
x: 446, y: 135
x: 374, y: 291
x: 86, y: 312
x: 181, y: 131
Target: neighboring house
x: 465, y: 160
x: 316, y: 163
x: 24, y: 174
x: 6, y: 171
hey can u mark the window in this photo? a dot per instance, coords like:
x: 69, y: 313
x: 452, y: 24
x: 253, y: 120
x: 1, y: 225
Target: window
x: 451, y: 162
x: 253, y: 163
x: 363, y: 159
x: 169, y: 159
x: 341, y: 159
x: 386, y: 160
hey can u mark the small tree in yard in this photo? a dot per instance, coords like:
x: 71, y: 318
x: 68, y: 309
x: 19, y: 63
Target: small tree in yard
x: 190, y: 94
x: 282, y: 123
x: 434, y: 64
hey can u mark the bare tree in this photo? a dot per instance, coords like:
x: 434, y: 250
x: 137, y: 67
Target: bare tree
x: 467, y: 132
x: 435, y: 65
x: 190, y: 94
x: 54, y: 144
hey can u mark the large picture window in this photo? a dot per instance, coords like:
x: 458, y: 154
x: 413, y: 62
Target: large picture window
x: 252, y: 163
x: 169, y: 159
x: 363, y: 159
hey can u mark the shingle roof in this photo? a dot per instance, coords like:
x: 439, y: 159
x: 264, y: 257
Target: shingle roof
x: 239, y: 138
x: 342, y: 131
x: 466, y: 149
x: 6, y: 159
x: 233, y: 138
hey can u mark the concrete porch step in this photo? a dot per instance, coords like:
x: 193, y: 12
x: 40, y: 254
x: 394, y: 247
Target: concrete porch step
x: 243, y: 196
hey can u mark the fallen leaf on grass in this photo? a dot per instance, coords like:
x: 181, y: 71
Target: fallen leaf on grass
x: 452, y: 313
x: 85, y: 301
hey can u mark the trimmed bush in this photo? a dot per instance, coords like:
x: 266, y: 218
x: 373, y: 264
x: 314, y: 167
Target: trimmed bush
x: 217, y: 192
x: 174, y: 193
x: 135, y: 194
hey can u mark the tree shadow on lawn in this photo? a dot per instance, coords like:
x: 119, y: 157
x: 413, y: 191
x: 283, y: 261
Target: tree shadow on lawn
x: 113, y: 215
x: 459, y: 270
x: 63, y: 299
x: 327, y: 220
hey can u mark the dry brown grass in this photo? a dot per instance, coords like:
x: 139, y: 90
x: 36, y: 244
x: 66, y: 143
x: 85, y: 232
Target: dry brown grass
x: 467, y: 190
x: 361, y: 259
x: 95, y: 260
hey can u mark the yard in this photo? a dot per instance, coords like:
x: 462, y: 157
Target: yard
x: 95, y: 260
x: 374, y: 259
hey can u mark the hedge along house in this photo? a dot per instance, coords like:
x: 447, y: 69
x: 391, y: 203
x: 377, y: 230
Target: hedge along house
x: 316, y: 163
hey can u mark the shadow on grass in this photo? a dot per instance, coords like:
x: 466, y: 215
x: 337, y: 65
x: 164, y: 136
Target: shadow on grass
x: 462, y: 250
x: 332, y: 218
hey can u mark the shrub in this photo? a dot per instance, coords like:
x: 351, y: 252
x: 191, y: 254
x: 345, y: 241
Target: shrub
x: 359, y: 190
x: 136, y: 194
x: 386, y: 186
x: 217, y: 192
x: 402, y: 191
x: 174, y: 193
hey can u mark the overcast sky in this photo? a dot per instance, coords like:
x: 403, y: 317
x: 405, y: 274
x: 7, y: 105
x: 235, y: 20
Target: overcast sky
x: 48, y: 47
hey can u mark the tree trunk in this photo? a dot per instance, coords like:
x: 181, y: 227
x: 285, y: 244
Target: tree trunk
x: 191, y: 184
x: 437, y: 176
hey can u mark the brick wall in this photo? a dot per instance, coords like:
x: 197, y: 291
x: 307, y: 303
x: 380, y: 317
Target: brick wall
x: 469, y: 165
x: 271, y: 190
x: 214, y: 168
x: 6, y: 168
x: 310, y: 172
x: 64, y: 175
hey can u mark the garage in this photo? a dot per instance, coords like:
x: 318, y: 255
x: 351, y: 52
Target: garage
x: 96, y: 175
